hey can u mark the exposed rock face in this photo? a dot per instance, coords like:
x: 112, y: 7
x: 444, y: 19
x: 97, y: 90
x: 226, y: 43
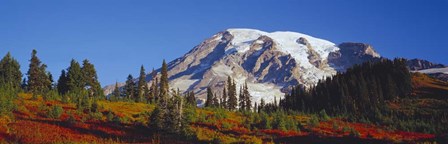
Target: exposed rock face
x: 313, y: 57
x: 350, y: 54
x: 269, y: 62
x: 418, y: 64
x: 440, y: 76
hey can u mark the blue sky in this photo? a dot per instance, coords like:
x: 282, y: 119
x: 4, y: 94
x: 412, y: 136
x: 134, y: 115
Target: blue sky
x: 119, y: 36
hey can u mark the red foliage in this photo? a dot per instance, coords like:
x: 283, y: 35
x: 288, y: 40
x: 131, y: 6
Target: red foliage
x: 281, y: 133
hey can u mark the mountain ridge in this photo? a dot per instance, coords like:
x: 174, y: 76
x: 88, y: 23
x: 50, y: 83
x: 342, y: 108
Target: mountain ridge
x: 270, y: 62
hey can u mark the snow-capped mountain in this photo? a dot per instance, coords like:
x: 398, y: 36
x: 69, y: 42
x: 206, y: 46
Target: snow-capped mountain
x: 269, y: 62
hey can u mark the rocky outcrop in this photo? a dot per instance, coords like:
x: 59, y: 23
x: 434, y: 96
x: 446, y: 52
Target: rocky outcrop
x: 418, y: 64
x: 440, y: 76
x: 350, y: 54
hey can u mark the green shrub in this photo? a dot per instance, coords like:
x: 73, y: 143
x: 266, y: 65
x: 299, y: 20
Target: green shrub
x: 345, y: 129
x: 189, y: 114
x: 265, y: 121
x: 96, y: 116
x: 279, y: 121
x: 354, y: 133
x: 110, y: 116
x: 65, y: 99
x: 226, y: 125
x: 202, y: 117
x: 7, y: 96
x: 291, y: 124
x: 323, y: 115
x: 55, y: 112
x: 116, y: 120
x: 314, y: 121
x: 52, y: 95
x: 220, y: 114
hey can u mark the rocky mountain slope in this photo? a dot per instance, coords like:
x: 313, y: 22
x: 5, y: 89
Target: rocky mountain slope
x: 269, y: 62
x: 419, y: 64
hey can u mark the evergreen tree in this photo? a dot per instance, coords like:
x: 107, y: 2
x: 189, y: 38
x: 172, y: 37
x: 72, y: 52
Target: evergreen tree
x: 90, y: 78
x: 255, y: 107
x: 37, y: 75
x: 164, y: 88
x: 224, y: 98
x: 10, y: 72
x: 216, y: 101
x: 191, y: 98
x: 154, y: 94
x: 169, y: 116
x: 75, y: 78
x: 130, y: 87
x: 247, y: 97
x: 160, y: 116
x: 361, y: 91
x: 262, y: 104
x: 62, y: 83
x: 146, y: 93
x: 50, y: 82
x: 209, y: 100
x: 141, y: 84
x: 241, y: 99
x: 232, y: 101
x: 116, y: 94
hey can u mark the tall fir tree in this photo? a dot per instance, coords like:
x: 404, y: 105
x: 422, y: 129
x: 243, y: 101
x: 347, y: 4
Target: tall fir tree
x: 116, y: 94
x: 191, y: 99
x: 75, y: 78
x: 247, y: 97
x: 146, y: 93
x: 62, y: 83
x: 154, y: 91
x: 261, y: 106
x: 141, y: 85
x: 164, y: 88
x: 37, y: 76
x: 216, y: 102
x: 10, y: 72
x: 209, y: 100
x: 130, y: 88
x: 160, y: 116
x: 232, y: 102
x: 242, y: 99
x: 224, y: 97
x: 90, y: 78
x: 50, y: 82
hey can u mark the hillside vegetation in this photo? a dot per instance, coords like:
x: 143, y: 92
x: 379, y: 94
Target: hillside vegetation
x: 35, y: 121
x: 384, y: 105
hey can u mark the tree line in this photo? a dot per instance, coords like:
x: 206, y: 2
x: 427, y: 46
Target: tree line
x: 228, y: 98
x: 362, y: 90
x: 77, y: 83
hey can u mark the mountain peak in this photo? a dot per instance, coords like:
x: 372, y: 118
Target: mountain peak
x: 269, y: 62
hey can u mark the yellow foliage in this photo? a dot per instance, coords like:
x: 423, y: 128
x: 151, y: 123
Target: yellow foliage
x: 127, y: 109
x: 4, y: 121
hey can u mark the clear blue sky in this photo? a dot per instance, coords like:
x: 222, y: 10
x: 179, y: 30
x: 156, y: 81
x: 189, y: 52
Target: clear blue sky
x: 119, y: 36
